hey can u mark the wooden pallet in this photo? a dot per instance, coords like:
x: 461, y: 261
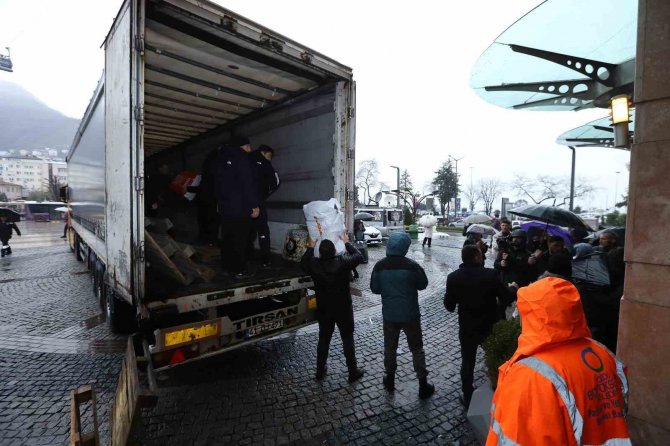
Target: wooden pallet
x: 78, y: 397
x: 130, y: 396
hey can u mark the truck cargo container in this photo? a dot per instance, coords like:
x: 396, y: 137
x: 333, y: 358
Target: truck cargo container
x: 180, y: 78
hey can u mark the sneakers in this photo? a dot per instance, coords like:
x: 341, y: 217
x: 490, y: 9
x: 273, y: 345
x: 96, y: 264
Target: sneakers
x: 355, y: 375
x: 425, y: 389
x: 389, y: 382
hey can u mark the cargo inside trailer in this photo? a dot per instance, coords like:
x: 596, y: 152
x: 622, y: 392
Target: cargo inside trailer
x: 206, y: 77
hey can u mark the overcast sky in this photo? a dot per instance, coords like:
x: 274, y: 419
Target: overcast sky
x: 412, y: 63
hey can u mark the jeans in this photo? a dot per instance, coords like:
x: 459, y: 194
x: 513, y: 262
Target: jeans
x: 345, y: 323
x: 469, y: 344
x: 414, y: 341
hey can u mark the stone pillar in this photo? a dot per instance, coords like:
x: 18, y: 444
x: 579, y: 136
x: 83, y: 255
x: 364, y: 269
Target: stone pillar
x: 644, y: 327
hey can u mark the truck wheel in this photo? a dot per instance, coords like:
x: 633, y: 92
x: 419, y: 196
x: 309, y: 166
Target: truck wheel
x: 99, y: 288
x: 77, y: 251
x: 120, y: 315
x: 71, y: 238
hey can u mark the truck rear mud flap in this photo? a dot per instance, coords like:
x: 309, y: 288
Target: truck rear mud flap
x: 190, y: 342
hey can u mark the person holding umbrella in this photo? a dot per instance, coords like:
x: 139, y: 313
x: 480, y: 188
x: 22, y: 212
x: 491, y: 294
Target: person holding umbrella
x: 6, y: 228
x: 474, y: 236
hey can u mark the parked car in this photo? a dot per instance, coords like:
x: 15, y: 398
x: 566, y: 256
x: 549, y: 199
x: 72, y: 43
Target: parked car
x: 516, y: 223
x: 372, y: 235
x: 457, y: 224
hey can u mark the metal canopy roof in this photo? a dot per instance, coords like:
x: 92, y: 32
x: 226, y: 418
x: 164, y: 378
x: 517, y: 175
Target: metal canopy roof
x: 562, y: 55
x: 598, y: 133
x: 205, y: 67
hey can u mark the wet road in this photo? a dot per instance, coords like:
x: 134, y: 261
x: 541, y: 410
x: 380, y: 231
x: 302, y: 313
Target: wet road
x: 266, y: 394
x: 53, y: 338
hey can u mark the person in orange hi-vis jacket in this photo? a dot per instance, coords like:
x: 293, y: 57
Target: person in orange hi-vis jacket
x: 560, y: 387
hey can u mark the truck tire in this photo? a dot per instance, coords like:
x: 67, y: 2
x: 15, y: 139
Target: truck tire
x: 77, y: 251
x: 120, y: 315
x: 99, y: 288
x: 71, y: 238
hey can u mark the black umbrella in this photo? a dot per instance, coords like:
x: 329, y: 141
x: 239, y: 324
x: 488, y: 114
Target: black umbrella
x: 10, y: 215
x: 551, y: 214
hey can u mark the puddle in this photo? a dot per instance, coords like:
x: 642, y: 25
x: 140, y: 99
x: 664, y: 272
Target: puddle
x: 94, y: 321
x: 107, y: 345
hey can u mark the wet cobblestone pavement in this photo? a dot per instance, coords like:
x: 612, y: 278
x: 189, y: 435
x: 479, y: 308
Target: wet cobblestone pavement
x: 266, y: 394
x: 53, y: 339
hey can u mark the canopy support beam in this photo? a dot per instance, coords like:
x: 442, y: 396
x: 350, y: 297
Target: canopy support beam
x: 593, y: 69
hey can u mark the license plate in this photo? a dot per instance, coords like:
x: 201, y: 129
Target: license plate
x: 190, y: 334
x: 270, y: 326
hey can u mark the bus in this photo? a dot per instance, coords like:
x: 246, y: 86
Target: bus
x: 387, y: 220
x: 37, y: 210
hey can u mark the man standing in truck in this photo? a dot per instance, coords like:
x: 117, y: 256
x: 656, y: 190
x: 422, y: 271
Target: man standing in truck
x: 267, y: 182
x: 238, y: 202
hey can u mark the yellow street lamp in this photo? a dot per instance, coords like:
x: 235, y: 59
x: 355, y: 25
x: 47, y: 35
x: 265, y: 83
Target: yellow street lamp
x: 620, y: 114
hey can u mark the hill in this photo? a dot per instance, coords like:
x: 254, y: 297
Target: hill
x: 27, y: 123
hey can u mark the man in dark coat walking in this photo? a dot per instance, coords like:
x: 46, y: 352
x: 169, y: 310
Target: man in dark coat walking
x: 6, y: 228
x: 237, y: 196
x: 478, y: 292
x: 267, y: 181
x: 331, y: 274
x: 398, y: 279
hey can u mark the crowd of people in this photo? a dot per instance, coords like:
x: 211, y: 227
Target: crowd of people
x: 561, y: 386
x: 523, y: 257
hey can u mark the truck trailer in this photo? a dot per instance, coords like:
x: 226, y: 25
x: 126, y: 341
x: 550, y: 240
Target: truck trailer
x: 181, y: 77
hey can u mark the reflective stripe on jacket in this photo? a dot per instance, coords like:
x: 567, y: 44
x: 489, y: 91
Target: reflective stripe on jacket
x: 560, y: 387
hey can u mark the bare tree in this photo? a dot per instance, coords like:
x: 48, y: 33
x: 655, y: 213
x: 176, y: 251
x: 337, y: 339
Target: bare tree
x: 546, y: 187
x: 52, y: 188
x: 366, y: 178
x: 488, y: 190
x: 472, y: 194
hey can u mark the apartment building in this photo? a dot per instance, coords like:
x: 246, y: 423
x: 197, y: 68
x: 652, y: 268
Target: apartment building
x: 31, y: 172
x: 12, y: 191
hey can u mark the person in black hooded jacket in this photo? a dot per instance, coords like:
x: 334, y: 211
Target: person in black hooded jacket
x: 236, y: 191
x: 331, y: 274
x: 267, y: 182
x: 6, y: 228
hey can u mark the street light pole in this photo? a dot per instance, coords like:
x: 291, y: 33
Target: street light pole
x: 616, y: 187
x: 572, y: 180
x: 457, y: 187
x: 397, y: 185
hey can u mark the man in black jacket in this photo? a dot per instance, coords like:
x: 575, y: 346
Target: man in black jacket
x: 237, y: 196
x: 6, y: 228
x: 267, y: 181
x: 478, y: 292
x: 331, y: 274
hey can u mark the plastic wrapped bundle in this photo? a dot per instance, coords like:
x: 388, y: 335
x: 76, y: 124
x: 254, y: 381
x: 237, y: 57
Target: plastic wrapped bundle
x: 295, y: 244
x: 325, y: 220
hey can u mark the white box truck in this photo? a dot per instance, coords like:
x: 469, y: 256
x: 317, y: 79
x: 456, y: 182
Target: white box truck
x: 181, y: 77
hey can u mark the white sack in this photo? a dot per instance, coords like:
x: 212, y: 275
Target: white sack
x: 325, y: 220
